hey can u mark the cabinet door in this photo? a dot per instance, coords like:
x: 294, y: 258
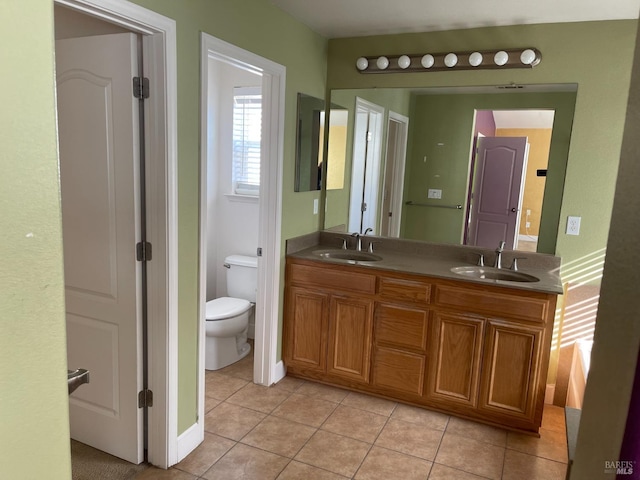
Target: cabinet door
x: 305, y: 330
x: 456, y: 349
x: 350, y: 328
x: 511, y: 370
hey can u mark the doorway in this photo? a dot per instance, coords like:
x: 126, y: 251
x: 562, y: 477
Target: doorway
x: 525, y: 208
x: 393, y: 181
x: 216, y: 53
x: 157, y: 42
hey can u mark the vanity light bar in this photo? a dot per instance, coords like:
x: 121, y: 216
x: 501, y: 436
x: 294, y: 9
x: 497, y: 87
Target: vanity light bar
x: 434, y: 62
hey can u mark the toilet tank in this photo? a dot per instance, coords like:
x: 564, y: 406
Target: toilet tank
x: 242, y: 276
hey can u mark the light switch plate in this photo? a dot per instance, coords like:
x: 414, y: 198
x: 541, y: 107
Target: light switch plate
x: 434, y: 193
x: 573, y: 225
x: 315, y: 206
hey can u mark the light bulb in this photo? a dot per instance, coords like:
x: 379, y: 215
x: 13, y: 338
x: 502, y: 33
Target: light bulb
x: 451, y: 60
x: 382, y: 63
x: 427, y: 61
x: 362, y: 63
x: 528, y: 56
x: 404, y: 61
x: 475, y: 59
x: 501, y: 58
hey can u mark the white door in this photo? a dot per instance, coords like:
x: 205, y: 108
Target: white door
x: 99, y: 165
x: 393, y: 182
x: 365, y: 170
x: 497, y: 191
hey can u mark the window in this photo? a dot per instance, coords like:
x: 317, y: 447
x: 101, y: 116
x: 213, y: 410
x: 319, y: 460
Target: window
x: 247, y: 126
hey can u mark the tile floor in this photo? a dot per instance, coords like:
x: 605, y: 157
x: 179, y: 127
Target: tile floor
x: 304, y: 430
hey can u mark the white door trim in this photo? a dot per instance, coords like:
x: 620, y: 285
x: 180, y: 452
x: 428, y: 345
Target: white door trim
x: 160, y: 64
x: 400, y: 155
x: 266, y: 370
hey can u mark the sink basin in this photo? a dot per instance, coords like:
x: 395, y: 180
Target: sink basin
x: 349, y: 256
x: 490, y: 273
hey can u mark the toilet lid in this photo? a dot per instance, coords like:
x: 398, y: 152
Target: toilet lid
x: 225, y: 307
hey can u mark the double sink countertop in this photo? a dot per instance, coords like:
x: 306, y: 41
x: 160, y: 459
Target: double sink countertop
x: 537, y: 272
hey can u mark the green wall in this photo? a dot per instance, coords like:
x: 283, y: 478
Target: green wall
x: 441, y: 129
x: 34, y: 418
x: 595, y: 55
x: 259, y: 27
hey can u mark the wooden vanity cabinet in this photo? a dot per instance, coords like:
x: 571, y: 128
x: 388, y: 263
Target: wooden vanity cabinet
x: 478, y: 351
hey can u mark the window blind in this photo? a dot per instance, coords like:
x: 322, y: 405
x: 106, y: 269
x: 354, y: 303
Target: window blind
x: 247, y: 126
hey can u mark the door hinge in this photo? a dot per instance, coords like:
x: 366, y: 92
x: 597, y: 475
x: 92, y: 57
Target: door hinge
x: 363, y: 207
x: 259, y: 252
x: 143, y: 251
x: 145, y: 398
x: 369, y: 135
x: 141, y: 87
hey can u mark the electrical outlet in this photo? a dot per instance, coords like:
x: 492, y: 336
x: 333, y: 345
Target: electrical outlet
x: 528, y: 212
x: 434, y: 193
x: 573, y: 225
x: 527, y: 224
x: 315, y: 206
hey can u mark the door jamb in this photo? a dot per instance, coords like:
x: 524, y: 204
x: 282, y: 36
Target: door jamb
x: 400, y: 155
x: 160, y: 63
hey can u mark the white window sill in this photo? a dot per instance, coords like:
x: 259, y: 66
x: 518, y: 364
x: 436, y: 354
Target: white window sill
x: 233, y: 197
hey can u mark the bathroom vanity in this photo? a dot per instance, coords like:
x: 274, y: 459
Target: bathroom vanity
x: 410, y: 327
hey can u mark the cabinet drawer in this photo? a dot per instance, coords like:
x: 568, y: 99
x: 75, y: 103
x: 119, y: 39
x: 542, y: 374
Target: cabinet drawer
x: 404, y: 290
x: 398, y: 370
x: 401, y: 326
x: 333, y: 279
x: 489, y: 302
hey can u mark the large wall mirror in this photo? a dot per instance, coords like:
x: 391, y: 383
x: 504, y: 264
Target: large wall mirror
x: 311, y: 128
x: 463, y: 165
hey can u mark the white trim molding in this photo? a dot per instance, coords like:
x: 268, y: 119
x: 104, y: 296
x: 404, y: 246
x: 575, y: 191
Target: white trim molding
x: 160, y: 65
x: 266, y: 371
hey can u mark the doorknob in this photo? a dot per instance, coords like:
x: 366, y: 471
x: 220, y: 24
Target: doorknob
x: 514, y: 209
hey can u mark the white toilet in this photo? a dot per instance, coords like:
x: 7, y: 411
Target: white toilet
x: 228, y: 317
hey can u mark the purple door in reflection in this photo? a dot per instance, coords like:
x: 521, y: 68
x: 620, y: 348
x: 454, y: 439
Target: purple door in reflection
x: 497, y: 191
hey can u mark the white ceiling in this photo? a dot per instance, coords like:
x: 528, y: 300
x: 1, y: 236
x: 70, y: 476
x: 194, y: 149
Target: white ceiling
x: 523, y: 118
x: 353, y: 18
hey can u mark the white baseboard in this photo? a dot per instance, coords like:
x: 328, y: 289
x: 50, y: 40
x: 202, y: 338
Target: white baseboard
x: 528, y: 238
x: 280, y: 372
x: 190, y: 439
x: 549, y: 393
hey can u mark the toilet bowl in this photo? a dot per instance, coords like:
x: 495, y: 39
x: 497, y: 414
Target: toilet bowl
x: 227, y: 318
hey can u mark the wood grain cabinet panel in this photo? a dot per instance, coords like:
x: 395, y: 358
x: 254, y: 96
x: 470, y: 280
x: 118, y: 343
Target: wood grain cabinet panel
x: 511, y: 370
x: 456, y: 348
x: 305, y: 333
x: 398, y: 370
x: 404, y: 290
x: 350, y: 338
x: 401, y: 326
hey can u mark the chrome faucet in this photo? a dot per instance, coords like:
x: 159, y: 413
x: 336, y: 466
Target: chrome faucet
x: 499, y: 250
x: 368, y: 230
x: 358, y: 241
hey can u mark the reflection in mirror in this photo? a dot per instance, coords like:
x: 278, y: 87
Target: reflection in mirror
x: 435, y: 196
x: 310, y: 142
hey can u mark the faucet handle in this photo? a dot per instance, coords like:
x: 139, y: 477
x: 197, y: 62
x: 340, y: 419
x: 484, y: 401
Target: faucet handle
x: 514, y: 265
x: 370, y: 247
x: 344, y: 243
x: 480, y: 259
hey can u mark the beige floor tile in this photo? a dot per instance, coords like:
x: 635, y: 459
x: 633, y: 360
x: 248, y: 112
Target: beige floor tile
x: 551, y: 445
x: 300, y: 471
x: 355, y: 423
x: 280, y: 436
x: 383, y: 464
x: 206, y: 454
x: 471, y: 456
x: 303, y: 409
x: 242, y: 369
x: 210, y: 403
x: 259, y: 398
x: 243, y: 462
x: 231, y: 421
x: 410, y: 438
x: 442, y: 472
x: 421, y: 416
x: 290, y: 384
x: 369, y: 403
x: 333, y: 452
x: 222, y: 386
x: 553, y: 418
x: 160, y: 474
x: 519, y: 466
x: 325, y: 392
x: 477, y: 431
